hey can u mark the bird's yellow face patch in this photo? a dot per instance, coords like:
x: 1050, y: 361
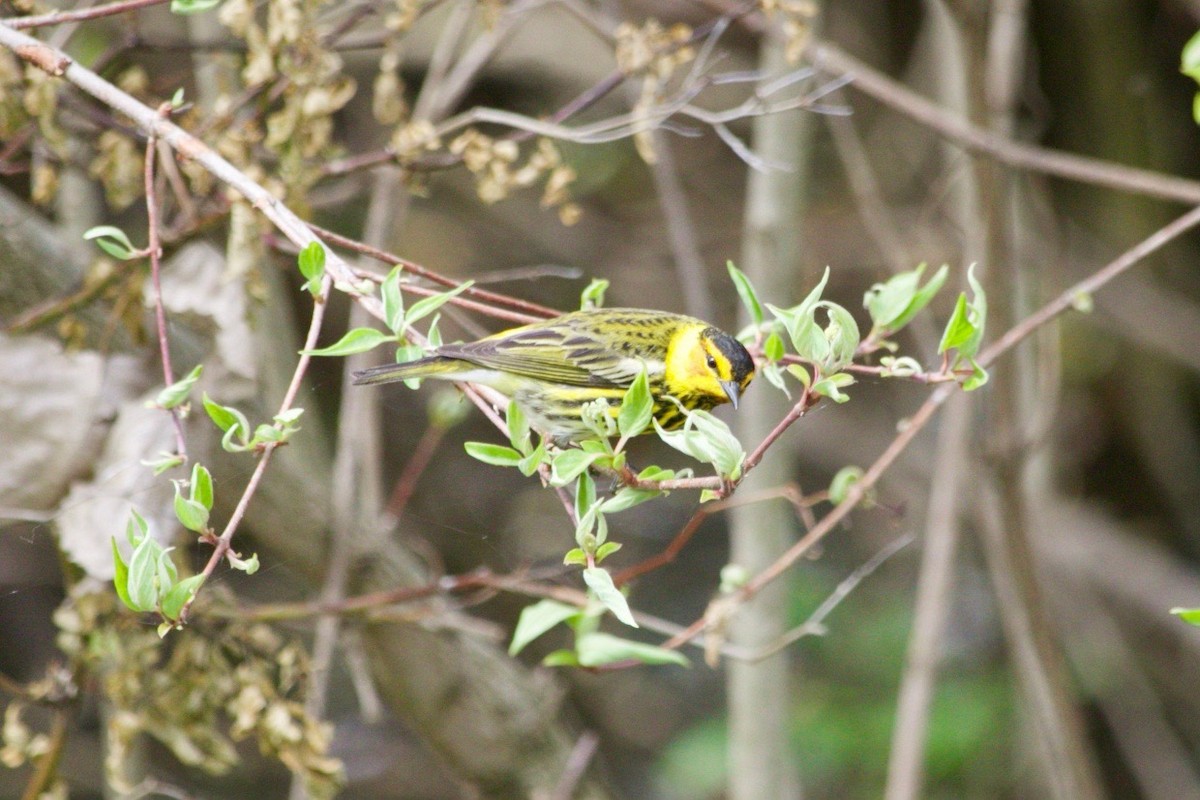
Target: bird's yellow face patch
x: 696, y: 366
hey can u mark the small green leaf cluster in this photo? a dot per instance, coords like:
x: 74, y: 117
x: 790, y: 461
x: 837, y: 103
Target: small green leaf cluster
x: 708, y: 439
x: 311, y: 261
x: 593, y: 648
x: 176, y: 395
x: 113, y: 241
x: 149, y: 581
x: 571, y: 465
x: 399, y: 320
x: 828, y: 348
x: 238, y: 436
x: 522, y: 455
x: 964, y: 334
x: 895, y: 302
x: 592, y: 295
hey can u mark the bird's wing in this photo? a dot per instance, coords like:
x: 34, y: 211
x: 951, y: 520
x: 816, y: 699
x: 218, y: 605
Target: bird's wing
x: 557, y: 354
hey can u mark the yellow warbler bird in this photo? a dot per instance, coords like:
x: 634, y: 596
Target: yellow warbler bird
x: 552, y: 369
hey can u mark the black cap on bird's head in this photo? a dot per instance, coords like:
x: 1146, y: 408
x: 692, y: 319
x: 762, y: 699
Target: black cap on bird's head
x: 734, y: 375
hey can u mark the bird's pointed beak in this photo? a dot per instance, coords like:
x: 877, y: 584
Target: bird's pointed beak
x: 732, y: 391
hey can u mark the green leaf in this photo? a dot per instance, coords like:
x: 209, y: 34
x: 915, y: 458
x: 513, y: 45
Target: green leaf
x: 518, y: 427
x: 568, y: 465
x: 311, y: 261
x: 593, y: 295
x: 267, y: 433
x: 893, y: 304
x: 598, y: 649
x: 746, y: 292
x: 179, y: 594
x: 113, y: 241
x: 406, y: 353
x: 958, y: 328
x: 830, y: 387
x: 177, y: 392
x: 427, y: 305
x: 190, y: 514
x: 842, y: 335
x: 601, y: 584
x: 393, y: 301
x: 584, y: 535
x: 964, y: 330
x: 708, y: 439
x: 165, y: 572
x: 561, y: 658
x: 605, y: 550
x: 143, y: 570
x: 839, y: 487
x: 808, y: 340
x: 121, y: 576
x: 979, y: 376
x: 653, y: 473
x: 288, y: 417
x: 495, y: 454
x: 226, y: 417
x: 177, y: 99
x: 923, y: 297
x: 163, y: 462
x: 773, y: 347
x: 358, y: 340
x: 530, y: 463
x: 636, y: 408
x: 1189, y: 615
x: 193, y: 7
x: 536, y: 620
x: 1190, y: 58
x: 798, y: 372
x: 575, y: 557
x: 774, y: 375
x: 585, y: 495
x: 201, y: 486
x: 136, y: 528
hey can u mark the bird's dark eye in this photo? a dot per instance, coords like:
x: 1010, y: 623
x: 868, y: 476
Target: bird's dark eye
x: 712, y: 362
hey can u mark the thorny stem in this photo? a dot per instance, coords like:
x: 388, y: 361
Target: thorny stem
x: 154, y: 248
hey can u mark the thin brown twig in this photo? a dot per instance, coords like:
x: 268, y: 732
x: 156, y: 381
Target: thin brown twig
x: 872, y: 82
x: 154, y: 250
x: 47, y: 765
x: 538, y: 311
x: 581, y: 755
x: 414, y: 468
x: 79, y: 15
x: 789, y: 492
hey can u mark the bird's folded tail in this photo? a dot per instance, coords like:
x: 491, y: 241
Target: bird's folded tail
x: 432, y: 367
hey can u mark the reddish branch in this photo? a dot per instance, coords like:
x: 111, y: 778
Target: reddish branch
x: 154, y: 251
